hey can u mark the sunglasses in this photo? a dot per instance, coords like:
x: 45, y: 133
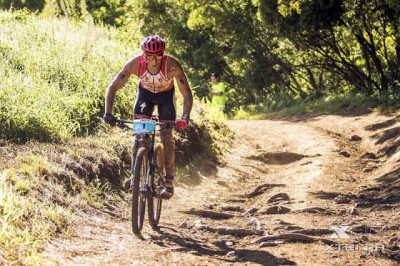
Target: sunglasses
x: 152, y: 57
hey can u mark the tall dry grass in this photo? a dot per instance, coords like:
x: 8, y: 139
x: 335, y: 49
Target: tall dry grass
x: 53, y: 76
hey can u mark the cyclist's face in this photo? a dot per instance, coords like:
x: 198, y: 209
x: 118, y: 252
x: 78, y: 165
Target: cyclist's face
x: 153, y: 57
x: 153, y: 60
x: 214, y: 79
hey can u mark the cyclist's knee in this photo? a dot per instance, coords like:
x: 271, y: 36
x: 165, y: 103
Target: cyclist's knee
x: 166, y: 134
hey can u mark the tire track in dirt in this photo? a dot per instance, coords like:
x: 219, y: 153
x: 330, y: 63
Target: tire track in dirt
x: 300, y: 159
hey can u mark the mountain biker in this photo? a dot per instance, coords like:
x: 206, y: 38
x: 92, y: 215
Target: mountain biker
x: 156, y: 71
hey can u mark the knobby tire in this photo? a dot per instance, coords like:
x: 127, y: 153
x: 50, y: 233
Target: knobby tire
x: 154, y: 202
x: 139, y: 170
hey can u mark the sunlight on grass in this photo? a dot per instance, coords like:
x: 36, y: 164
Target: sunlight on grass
x: 54, y: 74
x: 40, y: 194
x: 52, y: 82
x: 326, y: 105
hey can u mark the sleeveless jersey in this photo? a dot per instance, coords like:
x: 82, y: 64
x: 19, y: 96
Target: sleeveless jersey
x: 158, y: 82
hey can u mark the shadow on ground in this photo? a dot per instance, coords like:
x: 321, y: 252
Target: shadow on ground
x: 167, y: 237
x: 277, y: 158
x: 387, y: 191
x: 385, y: 124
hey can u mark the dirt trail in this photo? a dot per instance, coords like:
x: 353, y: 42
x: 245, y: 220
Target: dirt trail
x: 310, y: 161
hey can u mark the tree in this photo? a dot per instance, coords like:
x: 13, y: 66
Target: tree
x: 110, y: 12
x: 19, y: 4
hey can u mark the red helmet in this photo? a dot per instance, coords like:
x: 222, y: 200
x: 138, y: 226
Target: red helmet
x: 153, y: 44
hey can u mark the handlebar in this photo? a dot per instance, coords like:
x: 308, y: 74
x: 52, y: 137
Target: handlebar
x: 122, y: 123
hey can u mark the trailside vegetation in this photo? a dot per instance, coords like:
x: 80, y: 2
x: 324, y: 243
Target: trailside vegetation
x: 57, y: 159
x: 277, y: 53
x: 272, y: 53
x: 53, y: 76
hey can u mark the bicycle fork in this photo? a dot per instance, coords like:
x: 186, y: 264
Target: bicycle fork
x: 146, y: 190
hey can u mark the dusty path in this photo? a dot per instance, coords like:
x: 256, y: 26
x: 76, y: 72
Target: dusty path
x: 310, y: 161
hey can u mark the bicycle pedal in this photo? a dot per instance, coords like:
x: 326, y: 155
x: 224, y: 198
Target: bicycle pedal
x: 165, y: 194
x: 145, y: 190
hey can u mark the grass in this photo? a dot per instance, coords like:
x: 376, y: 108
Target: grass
x: 42, y: 188
x: 27, y: 222
x: 54, y: 74
x: 56, y: 157
x: 44, y: 185
x: 209, y: 120
x: 333, y: 104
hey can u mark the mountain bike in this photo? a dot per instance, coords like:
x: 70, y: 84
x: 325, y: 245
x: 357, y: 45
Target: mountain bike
x: 148, y: 170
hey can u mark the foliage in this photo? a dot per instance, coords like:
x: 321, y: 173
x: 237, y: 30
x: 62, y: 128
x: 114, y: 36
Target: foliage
x: 111, y: 12
x: 266, y: 50
x: 54, y: 74
x: 52, y: 82
x: 19, y: 4
x: 269, y: 50
x: 331, y: 104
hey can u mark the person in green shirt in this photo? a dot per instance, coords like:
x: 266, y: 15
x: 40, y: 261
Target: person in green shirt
x: 217, y: 92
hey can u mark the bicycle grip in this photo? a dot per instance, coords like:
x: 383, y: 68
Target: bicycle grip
x: 181, y: 123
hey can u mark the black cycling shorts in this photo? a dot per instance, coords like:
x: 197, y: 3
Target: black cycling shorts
x: 146, y: 100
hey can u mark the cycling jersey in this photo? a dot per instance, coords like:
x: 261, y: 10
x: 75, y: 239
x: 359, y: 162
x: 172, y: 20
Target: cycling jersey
x: 158, y: 82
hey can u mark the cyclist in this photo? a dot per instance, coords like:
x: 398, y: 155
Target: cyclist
x: 156, y: 71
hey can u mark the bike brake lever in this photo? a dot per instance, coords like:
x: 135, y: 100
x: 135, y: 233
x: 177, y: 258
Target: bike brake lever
x: 121, y: 125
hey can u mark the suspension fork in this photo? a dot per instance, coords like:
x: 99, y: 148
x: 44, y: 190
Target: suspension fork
x: 147, y: 141
x: 150, y: 167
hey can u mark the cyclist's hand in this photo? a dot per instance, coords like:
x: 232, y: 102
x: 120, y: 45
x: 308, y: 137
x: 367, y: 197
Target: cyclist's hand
x: 183, y: 122
x: 109, y: 119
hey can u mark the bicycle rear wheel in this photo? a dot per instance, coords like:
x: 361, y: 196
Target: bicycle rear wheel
x: 139, y: 172
x: 154, y: 201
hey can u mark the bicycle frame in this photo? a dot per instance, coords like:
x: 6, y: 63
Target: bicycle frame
x: 148, y: 140
x: 147, y: 187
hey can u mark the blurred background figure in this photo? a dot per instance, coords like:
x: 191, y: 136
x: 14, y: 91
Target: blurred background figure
x: 217, y: 92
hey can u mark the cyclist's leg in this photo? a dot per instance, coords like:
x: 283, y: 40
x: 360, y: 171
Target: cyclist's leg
x: 144, y: 104
x: 143, y: 108
x: 167, y: 112
x: 168, y: 143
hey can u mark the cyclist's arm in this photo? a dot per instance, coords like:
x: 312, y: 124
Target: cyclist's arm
x: 131, y: 67
x: 175, y: 70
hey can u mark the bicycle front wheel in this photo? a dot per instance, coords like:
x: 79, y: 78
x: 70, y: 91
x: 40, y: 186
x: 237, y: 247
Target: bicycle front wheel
x: 139, y: 172
x: 154, y: 202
